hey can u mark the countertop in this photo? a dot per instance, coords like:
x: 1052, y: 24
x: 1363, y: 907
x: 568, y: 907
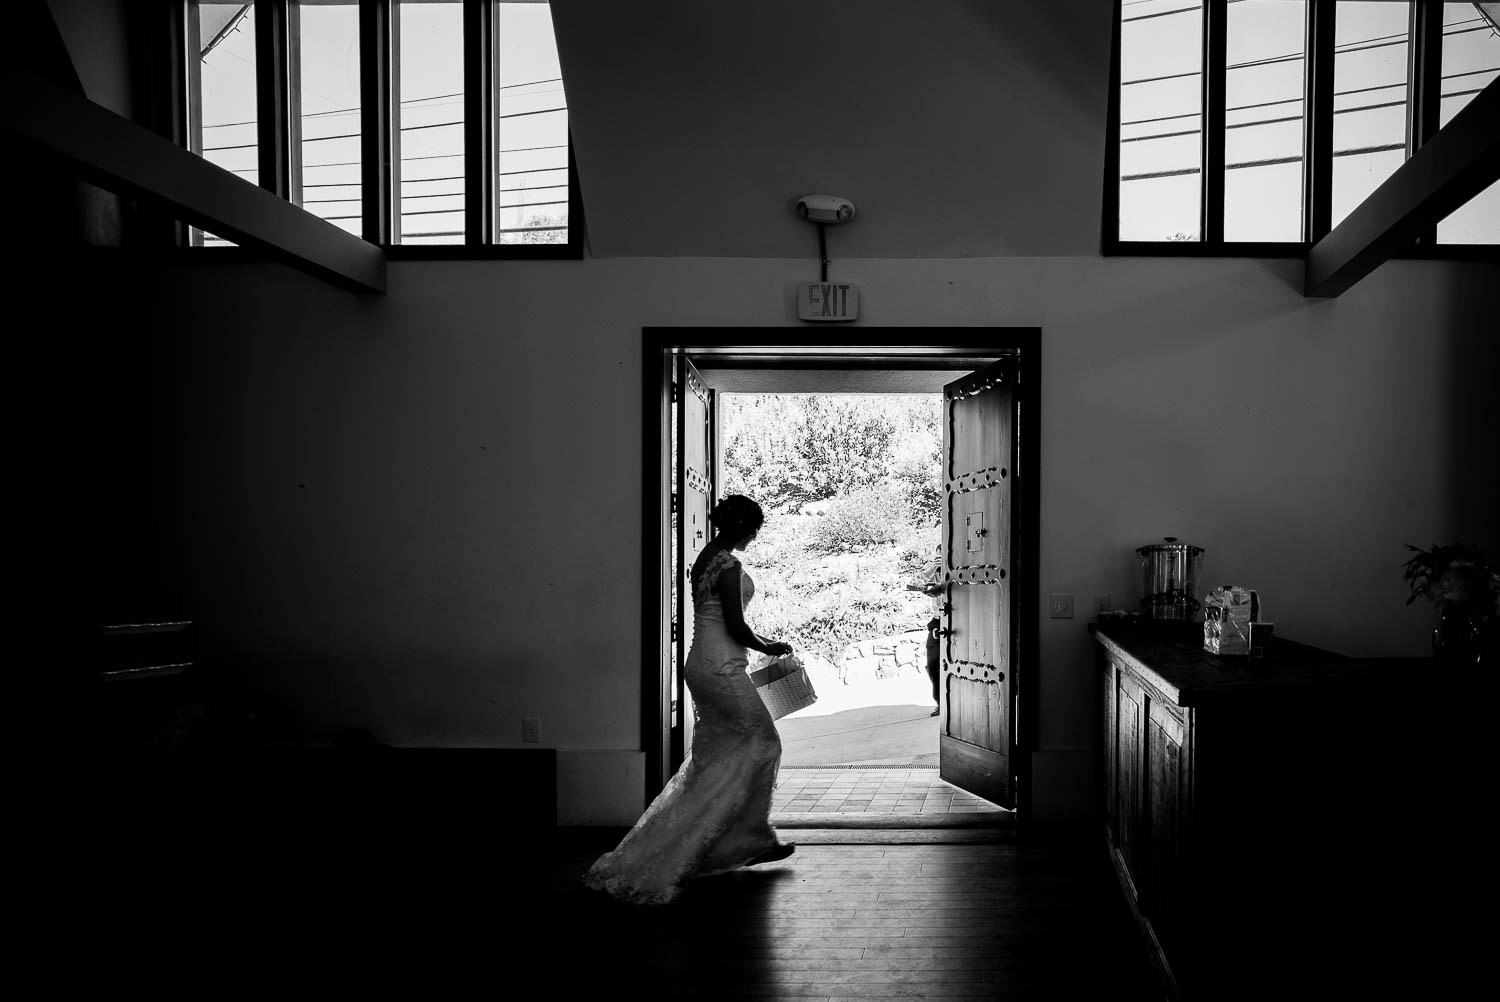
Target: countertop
x: 1171, y: 657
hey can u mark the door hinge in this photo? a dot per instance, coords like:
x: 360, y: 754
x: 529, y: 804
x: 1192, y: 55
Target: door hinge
x: 674, y: 502
x: 674, y: 631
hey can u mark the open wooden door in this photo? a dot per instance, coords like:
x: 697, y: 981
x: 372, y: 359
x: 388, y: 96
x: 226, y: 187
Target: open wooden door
x: 978, y: 734
x: 692, y: 499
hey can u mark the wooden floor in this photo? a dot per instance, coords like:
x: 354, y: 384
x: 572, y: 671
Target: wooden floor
x: 425, y: 911
x: 366, y: 889
x: 892, y: 916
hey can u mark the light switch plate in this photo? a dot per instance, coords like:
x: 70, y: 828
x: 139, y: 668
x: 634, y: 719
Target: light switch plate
x: 1060, y: 607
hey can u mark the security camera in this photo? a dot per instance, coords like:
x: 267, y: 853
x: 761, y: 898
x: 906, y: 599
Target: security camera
x: 825, y: 208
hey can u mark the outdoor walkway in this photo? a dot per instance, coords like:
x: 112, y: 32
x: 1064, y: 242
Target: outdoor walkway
x: 865, y: 754
x: 918, y: 792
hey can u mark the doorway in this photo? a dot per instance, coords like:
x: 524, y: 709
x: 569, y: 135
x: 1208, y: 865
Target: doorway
x: 850, y: 486
x: 989, y: 378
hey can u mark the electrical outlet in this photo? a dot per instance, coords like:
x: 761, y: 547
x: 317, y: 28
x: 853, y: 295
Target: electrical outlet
x: 1101, y: 604
x: 531, y: 729
x: 1061, y: 607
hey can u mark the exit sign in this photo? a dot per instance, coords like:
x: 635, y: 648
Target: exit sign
x: 827, y: 301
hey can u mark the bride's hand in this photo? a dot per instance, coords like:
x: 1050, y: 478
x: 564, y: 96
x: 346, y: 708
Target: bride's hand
x: 779, y: 649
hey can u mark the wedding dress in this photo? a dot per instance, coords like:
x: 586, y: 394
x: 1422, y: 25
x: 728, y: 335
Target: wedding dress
x: 714, y: 813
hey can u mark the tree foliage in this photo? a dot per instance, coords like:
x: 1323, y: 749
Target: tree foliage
x: 788, y: 450
x: 540, y: 235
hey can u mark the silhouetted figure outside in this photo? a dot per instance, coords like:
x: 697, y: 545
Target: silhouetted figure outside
x: 932, y: 587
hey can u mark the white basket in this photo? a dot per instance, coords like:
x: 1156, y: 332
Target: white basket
x: 784, y: 686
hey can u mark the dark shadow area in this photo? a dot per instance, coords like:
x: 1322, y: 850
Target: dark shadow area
x: 836, y: 921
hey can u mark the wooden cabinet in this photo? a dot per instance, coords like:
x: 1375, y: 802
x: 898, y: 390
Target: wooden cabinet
x: 1235, y: 799
x: 1149, y: 787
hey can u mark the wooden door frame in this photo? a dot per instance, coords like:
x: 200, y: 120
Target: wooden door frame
x: 853, y: 348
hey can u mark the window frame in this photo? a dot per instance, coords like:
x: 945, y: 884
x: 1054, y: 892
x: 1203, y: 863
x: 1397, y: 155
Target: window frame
x: 1425, y: 38
x: 278, y: 99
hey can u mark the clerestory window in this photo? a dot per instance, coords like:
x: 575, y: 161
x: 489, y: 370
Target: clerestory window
x: 434, y: 128
x: 1255, y: 126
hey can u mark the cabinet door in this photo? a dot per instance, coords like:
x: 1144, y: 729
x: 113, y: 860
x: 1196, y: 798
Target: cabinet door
x: 1110, y: 750
x: 1168, y: 803
x: 1129, y: 790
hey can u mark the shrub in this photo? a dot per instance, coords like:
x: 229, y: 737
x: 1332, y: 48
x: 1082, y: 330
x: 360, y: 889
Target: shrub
x: 866, y: 517
x: 825, y: 603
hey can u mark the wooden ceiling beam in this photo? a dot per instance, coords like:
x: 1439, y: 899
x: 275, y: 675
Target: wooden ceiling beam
x: 115, y: 153
x: 1457, y: 163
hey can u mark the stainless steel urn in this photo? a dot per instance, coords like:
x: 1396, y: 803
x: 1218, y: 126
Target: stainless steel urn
x: 1169, y: 579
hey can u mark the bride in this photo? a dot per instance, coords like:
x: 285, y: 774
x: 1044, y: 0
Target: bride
x: 714, y: 813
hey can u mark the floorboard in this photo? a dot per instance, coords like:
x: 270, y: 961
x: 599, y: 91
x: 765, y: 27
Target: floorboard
x: 891, y: 915
x: 433, y: 912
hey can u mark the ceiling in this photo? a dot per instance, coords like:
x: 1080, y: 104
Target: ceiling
x: 959, y: 128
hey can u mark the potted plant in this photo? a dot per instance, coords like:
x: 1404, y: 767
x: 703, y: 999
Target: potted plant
x: 1459, y: 581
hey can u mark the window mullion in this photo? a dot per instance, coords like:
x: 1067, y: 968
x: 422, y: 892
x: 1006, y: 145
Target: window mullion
x: 273, y: 97
x: 1109, y: 230
x: 1215, y: 56
x: 1425, y: 54
x: 575, y: 204
x: 480, y: 71
x: 380, y: 153
x: 170, y: 33
x: 293, y: 50
x: 1317, y: 152
x: 1425, y: 73
x: 192, y: 45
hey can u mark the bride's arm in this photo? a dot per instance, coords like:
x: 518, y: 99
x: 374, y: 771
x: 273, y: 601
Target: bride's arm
x: 730, y: 597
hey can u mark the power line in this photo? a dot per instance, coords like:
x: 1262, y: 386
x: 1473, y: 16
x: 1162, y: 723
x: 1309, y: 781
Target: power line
x: 404, y: 128
x: 412, y: 239
x: 410, y: 100
x: 443, y: 194
x: 445, y: 177
x: 451, y: 177
x: 1380, y: 41
x: 1163, y: 13
x: 449, y: 156
x: 528, y: 205
x: 1294, y: 118
x: 438, y: 212
x: 1298, y: 99
x: 1297, y: 158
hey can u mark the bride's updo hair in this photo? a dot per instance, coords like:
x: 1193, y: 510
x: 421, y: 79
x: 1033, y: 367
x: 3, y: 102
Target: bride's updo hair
x: 736, y: 517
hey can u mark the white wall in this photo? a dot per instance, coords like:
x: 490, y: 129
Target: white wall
x: 420, y: 513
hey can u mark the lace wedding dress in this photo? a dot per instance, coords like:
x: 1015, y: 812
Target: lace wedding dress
x: 714, y: 813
